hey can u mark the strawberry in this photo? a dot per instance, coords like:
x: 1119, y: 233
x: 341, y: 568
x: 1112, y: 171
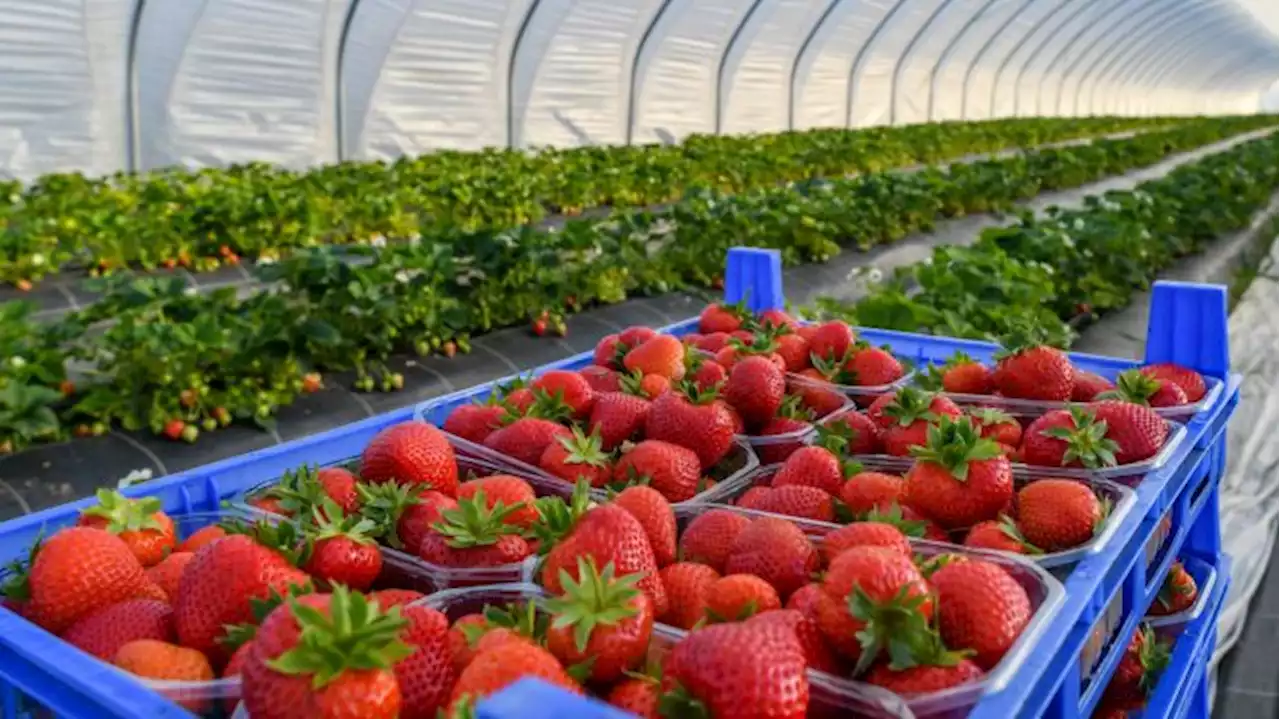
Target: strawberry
x: 794, y: 351
x: 140, y: 524
x: 737, y: 670
x: 648, y: 386
x: 1026, y: 369
x: 600, y: 618
x: 654, y: 513
x: 1190, y: 381
x: 601, y: 379
x: 908, y: 520
x: 105, y: 631
x: 687, y: 585
x: 817, y: 655
x: 402, y: 514
x: 831, y: 340
x: 775, y: 550
x: 958, y: 478
x: 503, y: 489
x: 735, y: 597
x: 793, y: 501
x: 476, y: 534
x: 1002, y: 535
x: 805, y: 600
x: 710, y: 536
x: 300, y: 491
x: 905, y: 415
x: 201, y: 537
x: 874, y: 366
x: 661, y: 355
x: 326, y: 657
x: 818, y: 393
x: 474, y: 422
x: 519, y: 401
x: 861, y: 434
x: 568, y: 387
x: 222, y: 581
x: 411, y: 453
x: 778, y: 451
x: 1087, y: 385
x: 816, y: 466
x: 498, y: 666
x: 235, y: 666
x: 721, y: 318
x: 1068, y: 438
x: 617, y: 417
x: 864, y: 534
x: 155, y: 659
x: 924, y: 678
x: 1177, y: 594
x: 1139, y: 671
x: 963, y: 375
x: 980, y: 608
x: 608, y: 352
x: 525, y: 439
x: 638, y: 696
x: 578, y: 457
x: 1140, y: 388
x: 1056, y: 514
x: 865, y: 491
x: 607, y: 534
x: 79, y: 571
x: 636, y: 335
x: 711, y: 342
x: 873, y: 595
x: 997, y: 425
x: 692, y: 420
x: 464, y: 635
x: 669, y: 468
x: 776, y: 318
x: 427, y: 675
x: 1137, y: 431
x: 168, y: 573
x: 755, y: 389
x: 341, y: 550
x: 709, y: 375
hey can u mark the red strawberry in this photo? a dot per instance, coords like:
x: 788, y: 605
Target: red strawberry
x: 864, y: 534
x: 1140, y: 388
x: 924, y: 678
x: 735, y: 597
x: 711, y: 342
x: 168, y: 574
x: 795, y: 500
x: 1002, y: 535
x: 699, y: 423
x: 963, y: 375
x: 980, y: 608
x: 872, y: 595
x: 755, y: 389
x: 77, y: 572
x: 1087, y: 386
x: 775, y: 550
x: 905, y: 415
x: 427, y: 675
x: 727, y: 667
x: 817, y: 392
x: 959, y: 478
x: 578, y: 457
x: 287, y: 678
x: 525, y: 439
x: 815, y: 466
x: 411, y: 453
x: 1026, y: 370
x: 1135, y: 678
x: 607, y: 534
x: 569, y: 387
x: 1177, y: 594
x: 794, y: 351
x: 669, y: 468
x: 1137, y: 431
x: 865, y: 491
x: 476, y: 534
x: 721, y: 318
x: 519, y: 401
x: 1068, y: 438
x: 636, y: 335
x: 201, y: 537
x: 831, y: 340
x: 388, y: 598
x: 654, y: 513
x: 341, y: 549
x: 709, y: 375
x: 686, y: 585
x: 661, y: 355
x: 339, y: 485
x: 874, y: 366
x: 501, y: 665
x: 638, y: 696
x: 601, y: 618
x: 502, y: 489
x: 861, y: 434
x: 617, y: 417
x: 106, y: 630
x: 601, y: 379
x: 1056, y: 514
x: 779, y: 451
x: 148, y: 531
x: 997, y: 425
x: 710, y: 537
x: 777, y: 318
x: 474, y: 422
x: 607, y: 352
x: 817, y: 654
x: 1190, y: 381
x: 402, y: 515
x: 908, y: 520
x: 221, y: 583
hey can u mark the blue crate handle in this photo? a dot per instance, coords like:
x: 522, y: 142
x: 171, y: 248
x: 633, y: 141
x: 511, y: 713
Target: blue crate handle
x: 754, y: 275
x: 536, y: 699
x: 1187, y: 324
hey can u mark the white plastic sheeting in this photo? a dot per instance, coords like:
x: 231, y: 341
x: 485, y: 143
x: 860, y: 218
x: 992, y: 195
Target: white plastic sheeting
x: 298, y: 82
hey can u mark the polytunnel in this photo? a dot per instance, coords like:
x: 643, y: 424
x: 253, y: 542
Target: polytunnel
x: 513, y: 359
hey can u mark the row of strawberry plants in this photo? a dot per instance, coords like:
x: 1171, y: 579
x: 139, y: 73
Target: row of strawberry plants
x: 178, y: 364
x: 1051, y: 271
x: 214, y: 216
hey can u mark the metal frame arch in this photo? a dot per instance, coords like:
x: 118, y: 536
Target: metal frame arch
x: 982, y: 51
x: 724, y: 61
x: 634, y: 78
x: 895, y: 77
x: 339, y: 104
x: 1047, y: 73
x: 1158, y: 67
x: 800, y: 52
x: 1008, y: 58
x: 132, y: 129
x: 1236, y: 61
x: 1126, y: 23
x: 856, y: 68
x: 511, y: 71
x: 1152, y: 52
x: 1231, y: 63
x: 946, y: 55
x: 1159, y: 28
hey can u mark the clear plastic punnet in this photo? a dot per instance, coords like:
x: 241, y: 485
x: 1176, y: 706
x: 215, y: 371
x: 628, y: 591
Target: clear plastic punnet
x: 862, y: 395
x: 770, y: 448
x: 1205, y: 576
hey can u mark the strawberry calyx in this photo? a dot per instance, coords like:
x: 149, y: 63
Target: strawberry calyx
x: 355, y: 635
x: 678, y: 703
x: 1133, y: 386
x: 298, y: 491
x: 930, y: 380
x: 958, y: 359
x: 522, y: 618
x: 1021, y: 337
x: 475, y: 524
x: 835, y: 369
x: 910, y: 405
x: 894, y: 626
x: 285, y: 538
x: 929, y: 565
x: 237, y: 634
x: 1010, y: 529
x: 991, y: 417
x: 1087, y: 440
x: 383, y: 505
x: 597, y: 598
x: 328, y: 522
x: 1175, y: 587
x: 695, y: 394
x: 954, y: 444
x: 892, y: 514
x: 124, y: 514
x: 1154, y: 656
x: 584, y: 448
x: 793, y: 407
x: 632, y: 382
x: 548, y: 405
x: 556, y: 517
x: 762, y: 344
x: 16, y: 586
x: 1105, y: 507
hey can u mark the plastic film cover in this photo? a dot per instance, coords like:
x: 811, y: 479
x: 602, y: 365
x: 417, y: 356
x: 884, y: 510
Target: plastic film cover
x: 822, y: 82
x: 872, y: 82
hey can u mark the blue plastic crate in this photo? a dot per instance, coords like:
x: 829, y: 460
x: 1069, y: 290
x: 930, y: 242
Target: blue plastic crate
x: 35, y: 666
